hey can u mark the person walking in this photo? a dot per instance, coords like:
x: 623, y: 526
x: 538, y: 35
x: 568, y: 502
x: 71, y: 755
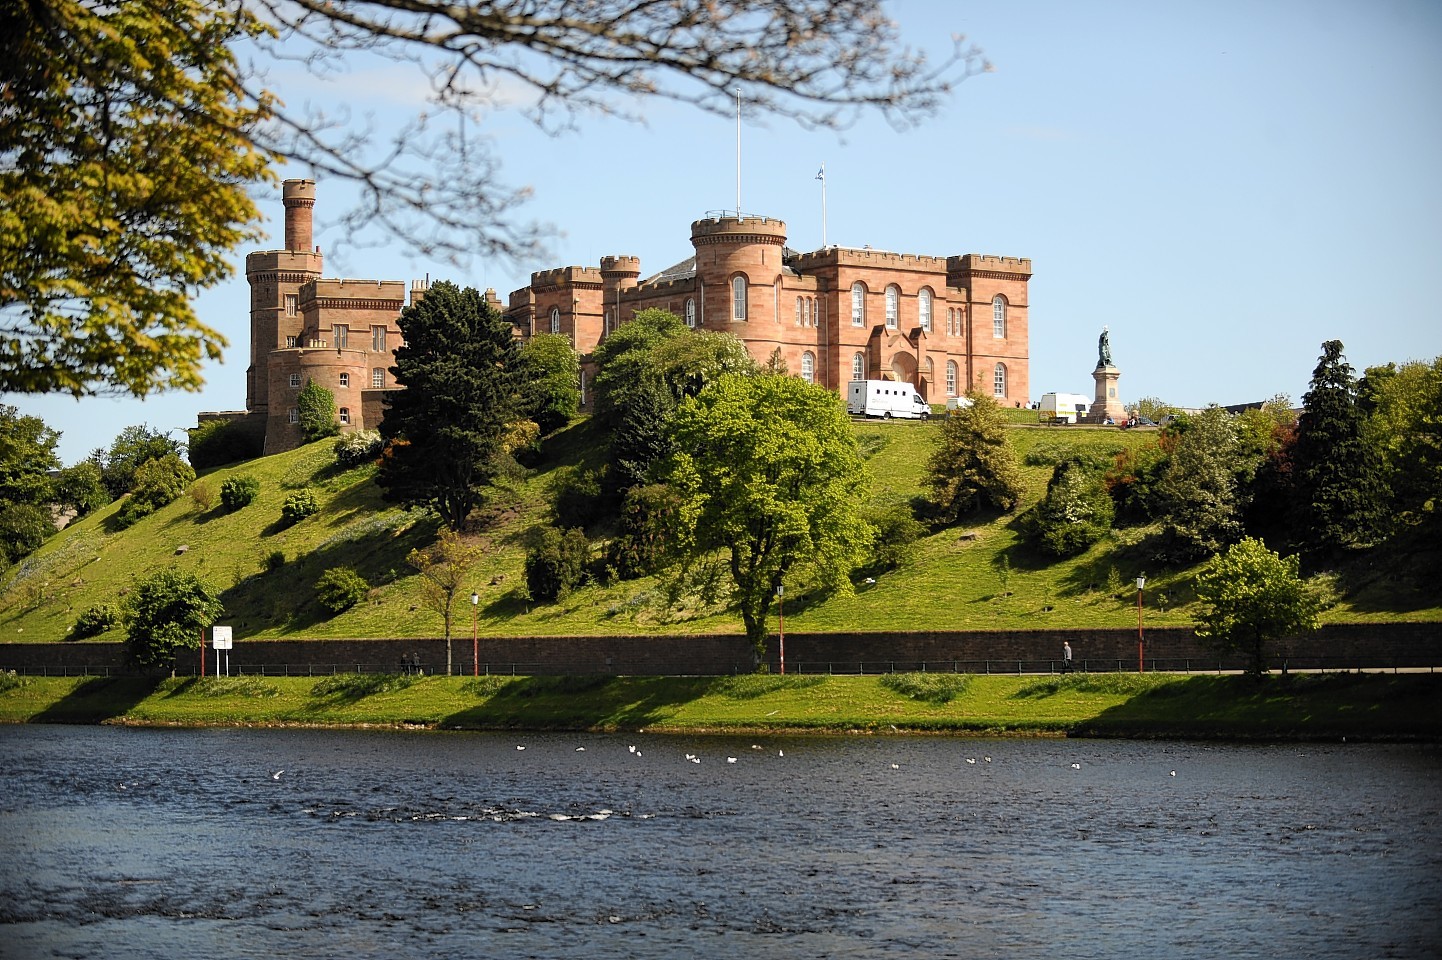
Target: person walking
x: 1066, y: 656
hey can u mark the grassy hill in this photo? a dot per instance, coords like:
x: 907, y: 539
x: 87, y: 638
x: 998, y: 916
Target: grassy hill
x: 974, y: 576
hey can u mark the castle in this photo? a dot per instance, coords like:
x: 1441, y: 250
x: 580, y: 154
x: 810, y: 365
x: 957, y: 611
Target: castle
x: 944, y: 324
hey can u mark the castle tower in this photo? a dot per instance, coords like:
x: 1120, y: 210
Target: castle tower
x: 618, y: 276
x: 275, y: 278
x: 998, y: 329
x: 738, y: 263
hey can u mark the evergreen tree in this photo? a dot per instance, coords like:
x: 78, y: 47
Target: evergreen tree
x: 552, y: 374
x: 315, y: 408
x: 972, y: 467
x: 1340, y: 497
x: 1198, y: 492
x: 1075, y: 513
x: 446, y: 432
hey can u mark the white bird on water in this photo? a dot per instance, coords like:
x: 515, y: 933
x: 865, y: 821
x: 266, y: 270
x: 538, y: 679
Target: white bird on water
x: 276, y: 775
x: 632, y: 748
x: 1173, y: 773
x: 519, y: 747
x: 781, y: 753
x: 1076, y: 766
x: 971, y: 760
x: 730, y: 759
x: 580, y: 749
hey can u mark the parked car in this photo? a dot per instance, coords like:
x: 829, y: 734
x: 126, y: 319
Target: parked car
x: 1141, y: 422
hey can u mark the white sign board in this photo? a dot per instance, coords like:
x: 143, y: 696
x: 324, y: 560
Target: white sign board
x: 220, y: 638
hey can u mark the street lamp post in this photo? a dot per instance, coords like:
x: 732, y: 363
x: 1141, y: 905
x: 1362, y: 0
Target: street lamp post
x: 475, y: 644
x: 781, y: 626
x: 1141, y: 583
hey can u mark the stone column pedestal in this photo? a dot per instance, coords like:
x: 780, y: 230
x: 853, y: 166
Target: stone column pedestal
x: 1106, y: 403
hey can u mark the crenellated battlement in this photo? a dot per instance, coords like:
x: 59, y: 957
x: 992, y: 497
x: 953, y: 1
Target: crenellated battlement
x: 681, y: 285
x: 867, y: 257
x: 1018, y: 267
x: 724, y: 229
x: 375, y: 294
x: 620, y: 265
x: 561, y: 276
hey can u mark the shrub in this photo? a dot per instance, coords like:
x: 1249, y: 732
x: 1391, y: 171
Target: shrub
x: 275, y: 560
x: 203, y: 495
x: 316, y: 411
x: 218, y: 442
x: 1075, y: 513
x: 299, y: 505
x: 646, y: 538
x: 935, y: 688
x: 23, y: 528
x: 157, y: 483
x: 555, y: 562
x: 340, y: 588
x: 237, y: 492
x: 576, y: 497
x: 897, y: 531
x: 354, y: 449
x: 95, y: 621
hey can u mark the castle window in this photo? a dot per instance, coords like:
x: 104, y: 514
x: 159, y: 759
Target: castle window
x: 345, y: 379
x: 583, y: 388
x: 808, y: 367
x: 738, y: 298
x: 690, y: 311
x: 800, y: 316
x: 340, y: 333
x: 998, y: 318
x: 290, y: 304
x: 291, y: 341
x: 378, y: 339
x: 295, y: 379
x: 555, y: 319
x: 858, y: 367
x: 858, y: 305
x: 998, y: 380
x: 893, y: 305
x: 951, y: 378
x: 345, y: 416
x: 923, y: 309
x: 809, y: 309
x: 378, y: 377
x: 294, y: 415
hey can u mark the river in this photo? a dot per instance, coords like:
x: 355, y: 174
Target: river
x: 223, y: 843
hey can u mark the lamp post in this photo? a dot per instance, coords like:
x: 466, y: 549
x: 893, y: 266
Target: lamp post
x: 475, y: 644
x: 1141, y: 583
x: 781, y: 625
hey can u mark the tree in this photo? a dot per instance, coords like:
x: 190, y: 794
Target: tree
x: 131, y: 132
x: 624, y: 364
x: 446, y: 433
x: 157, y: 483
x: 551, y: 373
x: 972, y: 467
x: 339, y: 589
x: 131, y: 447
x: 1340, y: 497
x: 315, y: 408
x: 23, y: 528
x: 1251, y: 598
x: 1153, y: 408
x: 1404, y: 408
x: 768, y: 471
x: 1198, y: 496
x: 1075, y: 513
x: 166, y: 613
x: 81, y: 488
x: 27, y: 455
x: 128, y: 141
x: 555, y: 562
x: 445, y: 569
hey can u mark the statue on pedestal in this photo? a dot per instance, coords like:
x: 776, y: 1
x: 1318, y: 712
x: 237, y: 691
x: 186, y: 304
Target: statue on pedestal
x: 1104, y: 349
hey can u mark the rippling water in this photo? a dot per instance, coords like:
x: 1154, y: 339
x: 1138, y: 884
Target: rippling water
x: 124, y: 843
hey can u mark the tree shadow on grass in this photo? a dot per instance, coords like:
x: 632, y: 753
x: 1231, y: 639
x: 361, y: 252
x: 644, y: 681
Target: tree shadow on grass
x: 98, y: 700
x: 577, y: 702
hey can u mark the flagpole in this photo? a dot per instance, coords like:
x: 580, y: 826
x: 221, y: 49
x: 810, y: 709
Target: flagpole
x: 822, y: 177
x: 738, y: 153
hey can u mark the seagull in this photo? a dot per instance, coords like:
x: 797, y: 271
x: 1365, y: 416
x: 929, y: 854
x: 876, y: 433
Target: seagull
x: 781, y: 753
x: 580, y: 749
x: 1076, y: 766
x: 730, y: 759
x: 987, y: 759
x: 896, y: 766
x: 276, y: 775
x: 519, y: 747
x: 1173, y: 773
x: 694, y: 759
x: 755, y: 746
x: 632, y: 748
x: 971, y: 760
x: 690, y: 756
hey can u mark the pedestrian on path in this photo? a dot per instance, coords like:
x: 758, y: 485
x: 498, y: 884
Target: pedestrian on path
x: 1066, y: 656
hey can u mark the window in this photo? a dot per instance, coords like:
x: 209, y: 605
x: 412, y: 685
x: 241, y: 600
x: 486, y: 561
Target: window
x: 690, y: 312
x: 858, y: 367
x: 345, y: 416
x: 800, y: 315
x: 290, y: 304
x: 378, y: 376
x: 583, y: 385
x: 893, y: 305
x: 808, y: 367
x: 858, y: 305
x: 998, y: 318
x: 923, y: 309
x: 998, y: 380
x: 294, y: 415
x: 345, y: 379
x: 555, y: 319
x: 951, y: 378
x: 295, y: 379
x: 290, y: 341
x: 378, y: 339
x: 341, y: 334
x: 738, y: 298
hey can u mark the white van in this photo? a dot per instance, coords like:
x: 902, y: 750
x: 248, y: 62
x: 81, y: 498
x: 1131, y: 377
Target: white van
x: 885, y: 398
x: 1063, y: 407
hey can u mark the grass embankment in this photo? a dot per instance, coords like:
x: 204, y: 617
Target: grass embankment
x: 1357, y: 706
x: 976, y: 576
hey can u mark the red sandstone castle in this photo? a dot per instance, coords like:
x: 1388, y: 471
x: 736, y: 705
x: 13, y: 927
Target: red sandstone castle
x: 944, y: 324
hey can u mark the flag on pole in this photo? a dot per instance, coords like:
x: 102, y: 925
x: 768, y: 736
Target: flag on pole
x: 821, y: 174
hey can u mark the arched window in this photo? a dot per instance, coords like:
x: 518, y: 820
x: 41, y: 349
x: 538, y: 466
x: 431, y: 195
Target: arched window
x: 690, y: 311
x: 923, y: 309
x: 808, y: 367
x: 951, y: 378
x: 998, y: 318
x: 555, y: 319
x: 998, y: 380
x: 738, y: 297
x: 858, y: 305
x: 893, y: 305
x: 345, y: 415
x: 858, y: 367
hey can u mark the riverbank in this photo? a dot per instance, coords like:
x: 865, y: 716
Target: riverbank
x: 1302, y: 707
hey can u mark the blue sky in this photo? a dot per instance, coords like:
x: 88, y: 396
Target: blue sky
x: 1225, y: 185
